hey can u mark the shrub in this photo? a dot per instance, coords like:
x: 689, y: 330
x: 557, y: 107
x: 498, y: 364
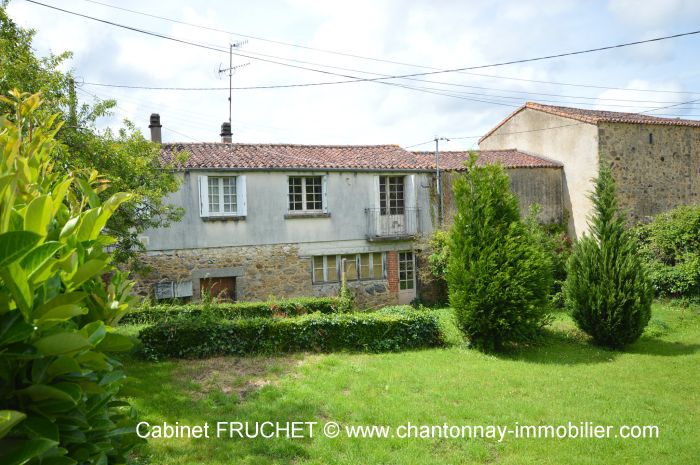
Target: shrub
x: 371, y: 332
x: 434, y: 254
x: 291, y: 307
x: 60, y: 386
x: 670, y: 245
x: 557, y: 245
x: 607, y: 288
x: 498, y: 275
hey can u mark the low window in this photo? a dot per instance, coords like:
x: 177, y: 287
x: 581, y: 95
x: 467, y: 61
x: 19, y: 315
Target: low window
x: 357, y: 267
x: 406, y: 271
x: 306, y: 193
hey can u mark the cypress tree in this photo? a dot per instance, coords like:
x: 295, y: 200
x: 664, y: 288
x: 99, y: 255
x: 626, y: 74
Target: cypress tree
x: 498, y: 277
x: 607, y: 288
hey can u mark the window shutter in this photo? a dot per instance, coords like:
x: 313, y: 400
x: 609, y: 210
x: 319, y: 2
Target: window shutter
x: 376, y: 192
x: 410, y: 186
x: 203, y: 196
x: 241, y: 197
x: 324, y: 193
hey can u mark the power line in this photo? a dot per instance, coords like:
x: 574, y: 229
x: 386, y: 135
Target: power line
x: 388, y: 77
x: 335, y: 52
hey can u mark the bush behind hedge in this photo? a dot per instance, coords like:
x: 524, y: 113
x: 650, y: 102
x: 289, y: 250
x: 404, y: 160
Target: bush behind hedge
x: 370, y: 332
x: 290, y: 307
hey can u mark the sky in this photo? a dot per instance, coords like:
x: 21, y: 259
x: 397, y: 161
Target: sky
x: 421, y: 35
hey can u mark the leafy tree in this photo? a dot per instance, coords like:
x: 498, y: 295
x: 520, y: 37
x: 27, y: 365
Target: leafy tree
x: 498, y: 276
x: 129, y: 160
x: 607, y: 288
x: 60, y: 385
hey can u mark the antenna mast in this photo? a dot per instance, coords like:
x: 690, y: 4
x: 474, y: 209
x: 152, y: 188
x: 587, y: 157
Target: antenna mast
x: 231, y: 70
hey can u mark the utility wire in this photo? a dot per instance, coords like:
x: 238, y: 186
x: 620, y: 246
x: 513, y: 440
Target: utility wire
x: 371, y: 58
x: 388, y: 77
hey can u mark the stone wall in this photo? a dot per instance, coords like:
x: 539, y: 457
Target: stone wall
x: 656, y: 167
x: 262, y: 273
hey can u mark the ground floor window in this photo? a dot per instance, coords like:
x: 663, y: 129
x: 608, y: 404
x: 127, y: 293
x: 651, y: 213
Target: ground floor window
x: 406, y: 271
x: 218, y: 288
x: 327, y: 268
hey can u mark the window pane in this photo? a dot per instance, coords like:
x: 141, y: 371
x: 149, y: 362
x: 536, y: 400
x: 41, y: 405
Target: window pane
x: 213, y: 187
x: 350, y: 267
x: 382, y: 195
x: 365, y: 270
x: 377, y: 271
x: 295, y: 194
x: 406, y: 270
x: 229, y: 191
x: 314, y: 193
x: 332, y: 270
x: 318, y: 269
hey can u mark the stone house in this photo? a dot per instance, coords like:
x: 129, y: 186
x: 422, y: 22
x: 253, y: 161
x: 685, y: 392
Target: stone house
x: 281, y: 220
x: 655, y: 161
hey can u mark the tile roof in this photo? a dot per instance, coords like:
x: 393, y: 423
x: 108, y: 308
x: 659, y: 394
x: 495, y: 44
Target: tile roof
x: 597, y: 116
x: 320, y: 157
x: 509, y: 158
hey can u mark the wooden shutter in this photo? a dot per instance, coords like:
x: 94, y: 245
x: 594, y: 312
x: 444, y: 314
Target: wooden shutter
x: 203, y: 196
x: 241, y: 197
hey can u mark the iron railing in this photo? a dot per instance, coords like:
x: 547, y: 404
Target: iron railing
x: 384, y: 223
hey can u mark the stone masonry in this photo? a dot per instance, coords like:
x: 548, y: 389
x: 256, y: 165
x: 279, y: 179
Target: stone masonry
x: 262, y: 273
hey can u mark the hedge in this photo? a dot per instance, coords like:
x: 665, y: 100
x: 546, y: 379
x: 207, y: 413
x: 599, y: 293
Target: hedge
x: 291, y: 307
x: 370, y: 332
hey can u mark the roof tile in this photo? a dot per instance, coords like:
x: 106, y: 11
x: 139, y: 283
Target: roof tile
x: 319, y: 157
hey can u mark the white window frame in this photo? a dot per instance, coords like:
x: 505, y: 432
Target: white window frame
x: 338, y: 265
x: 240, y: 197
x: 304, y: 209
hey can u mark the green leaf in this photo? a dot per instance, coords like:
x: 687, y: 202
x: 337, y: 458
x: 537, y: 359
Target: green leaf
x: 86, y: 271
x: 94, y: 331
x: 15, y: 244
x: 41, y: 426
x: 38, y: 214
x: 13, y: 328
x: 63, y: 312
x: 17, y: 283
x: 63, y: 365
x: 58, y: 194
x: 69, y: 227
x: 37, y: 258
x: 62, y: 343
x: 38, y: 392
x: 107, y: 210
x: 20, y: 452
x: 113, y: 342
x: 59, y: 300
x: 87, y: 224
x: 8, y: 419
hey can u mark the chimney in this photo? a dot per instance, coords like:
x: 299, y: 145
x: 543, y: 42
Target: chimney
x: 155, y: 128
x: 226, y: 132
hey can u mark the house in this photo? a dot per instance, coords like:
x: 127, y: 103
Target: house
x: 655, y: 161
x: 283, y: 220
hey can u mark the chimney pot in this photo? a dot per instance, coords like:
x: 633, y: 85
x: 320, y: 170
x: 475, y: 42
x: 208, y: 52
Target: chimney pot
x: 226, y: 135
x: 155, y: 128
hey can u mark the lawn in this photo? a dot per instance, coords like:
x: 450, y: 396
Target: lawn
x: 562, y: 379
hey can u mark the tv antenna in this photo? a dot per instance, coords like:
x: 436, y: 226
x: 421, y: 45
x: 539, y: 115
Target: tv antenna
x: 231, y: 71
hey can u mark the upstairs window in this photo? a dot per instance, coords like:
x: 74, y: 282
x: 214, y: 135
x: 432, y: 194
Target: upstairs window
x: 306, y: 194
x: 222, y: 196
x: 391, y: 195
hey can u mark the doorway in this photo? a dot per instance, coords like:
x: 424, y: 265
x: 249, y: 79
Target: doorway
x: 221, y: 289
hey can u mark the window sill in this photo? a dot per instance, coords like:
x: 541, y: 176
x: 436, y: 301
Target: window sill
x: 224, y: 218
x: 295, y: 215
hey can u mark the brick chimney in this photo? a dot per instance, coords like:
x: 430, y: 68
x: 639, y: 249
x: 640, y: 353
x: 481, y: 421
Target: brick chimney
x: 226, y: 132
x: 155, y: 128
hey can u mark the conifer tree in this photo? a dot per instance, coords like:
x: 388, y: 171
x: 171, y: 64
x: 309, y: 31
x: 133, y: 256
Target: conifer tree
x: 607, y: 289
x: 498, y: 277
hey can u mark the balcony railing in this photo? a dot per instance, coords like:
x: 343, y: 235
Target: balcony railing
x: 385, y: 224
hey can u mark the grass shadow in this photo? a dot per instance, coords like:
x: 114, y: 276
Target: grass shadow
x: 659, y: 347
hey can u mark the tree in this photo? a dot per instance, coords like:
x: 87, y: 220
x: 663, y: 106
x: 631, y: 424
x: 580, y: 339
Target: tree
x: 498, y: 276
x: 607, y: 288
x: 60, y: 383
x: 131, y: 162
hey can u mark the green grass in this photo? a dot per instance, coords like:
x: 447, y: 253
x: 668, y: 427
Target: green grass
x: 564, y: 378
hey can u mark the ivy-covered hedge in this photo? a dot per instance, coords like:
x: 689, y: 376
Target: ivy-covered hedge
x: 371, y: 332
x: 291, y: 307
